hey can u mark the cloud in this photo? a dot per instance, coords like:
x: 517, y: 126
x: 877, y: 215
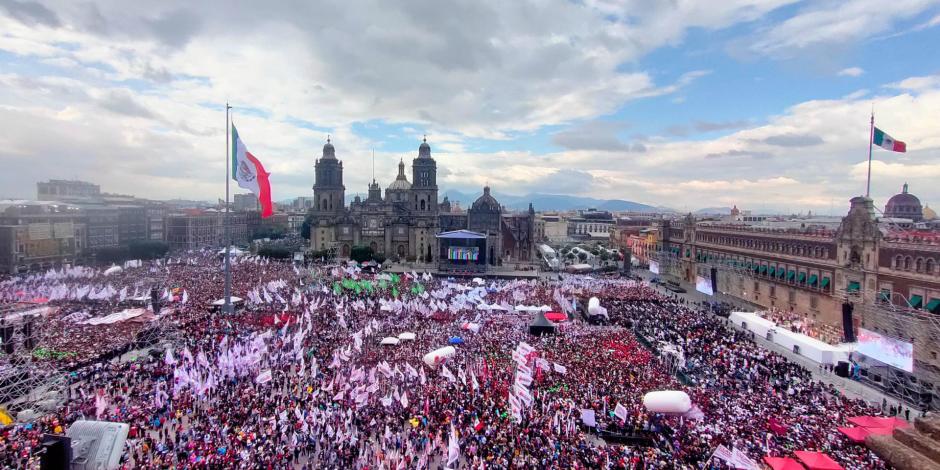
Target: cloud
x: 593, y: 135
x: 123, y: 102
x: 916, y: 83
x: 851, y: 72
x: 793, y: 140
x: 827, y: 25
x: 739, y: 153
x: 30, y: 13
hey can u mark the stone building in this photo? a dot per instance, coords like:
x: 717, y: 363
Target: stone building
x: 404, y: 222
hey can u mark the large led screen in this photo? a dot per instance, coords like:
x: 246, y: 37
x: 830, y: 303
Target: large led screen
x: 884, y: 349
x: 704, y: 285
x: 654, y: 267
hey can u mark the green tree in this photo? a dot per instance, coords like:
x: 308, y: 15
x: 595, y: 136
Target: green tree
x: 582, y: 256
x: 605, y: 256
x: 305, y: 227
x: 361, y: 254
x: 274, y: 252
x: 112, y: 254
x: 147, y: 249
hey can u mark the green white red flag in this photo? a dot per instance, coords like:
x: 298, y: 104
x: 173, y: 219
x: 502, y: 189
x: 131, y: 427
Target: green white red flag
x: 885, y: 141
x: 250, y: 174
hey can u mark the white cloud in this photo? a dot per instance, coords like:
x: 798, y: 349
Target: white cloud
x: 851, y: 72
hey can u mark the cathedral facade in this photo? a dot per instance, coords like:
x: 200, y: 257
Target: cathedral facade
x: 404, y: 223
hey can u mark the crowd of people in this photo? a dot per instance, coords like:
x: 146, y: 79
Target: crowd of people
x: 298, y: 377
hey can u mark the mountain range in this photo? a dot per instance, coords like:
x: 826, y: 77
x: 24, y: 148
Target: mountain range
x: 544, y: 202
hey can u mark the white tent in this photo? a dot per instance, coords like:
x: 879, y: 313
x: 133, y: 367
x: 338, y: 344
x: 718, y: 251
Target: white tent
x: 389, y: 341
x: 433, y: 357
x: 235, y: 300
x: 667, y: 401
x: 407, y: 336
x: 113, y: 270
x: 478, y: 281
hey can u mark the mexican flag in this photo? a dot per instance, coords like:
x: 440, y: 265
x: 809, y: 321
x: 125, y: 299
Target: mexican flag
x: 250, y: 174
x: 886, y: 142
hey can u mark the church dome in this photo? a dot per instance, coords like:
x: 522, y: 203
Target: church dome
x: 929, y: 214
x: 328, y: 150
x: 401, y: 182
x: 486, y: 202
x: 904, y: 205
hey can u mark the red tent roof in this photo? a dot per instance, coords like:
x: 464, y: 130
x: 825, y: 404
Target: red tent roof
x: 878, y: 422
x: 783, y: 463
x: 855, y: 434
x: 817, y: 460
x: 556, y: 316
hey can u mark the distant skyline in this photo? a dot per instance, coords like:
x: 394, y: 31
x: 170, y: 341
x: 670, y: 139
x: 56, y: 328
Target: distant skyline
x: 763, y: 104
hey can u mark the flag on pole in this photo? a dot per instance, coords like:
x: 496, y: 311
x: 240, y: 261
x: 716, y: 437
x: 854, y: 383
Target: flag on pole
x: 887, y: 142
x: 250, y: 174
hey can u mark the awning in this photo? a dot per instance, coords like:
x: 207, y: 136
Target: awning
x: 763, y: 269
x: 817, y: 460
x: 916, y: 301
x: 824, y: 283
x: 853, y: 287
x: 791, y: 275
x: 933, y: 306
x: 802, y: 278
x: 781, y: 272
x: 885, y: 295
x: 783, y: 463
x: 772, y: 271
x: 812, y: 279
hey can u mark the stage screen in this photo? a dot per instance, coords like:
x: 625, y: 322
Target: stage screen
x: 891, y: 351
x: 654, y: 267
x: 703, y: 285
x: 463, y: 253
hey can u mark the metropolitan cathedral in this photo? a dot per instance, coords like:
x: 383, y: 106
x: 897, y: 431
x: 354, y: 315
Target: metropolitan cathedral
x: 404, y: 223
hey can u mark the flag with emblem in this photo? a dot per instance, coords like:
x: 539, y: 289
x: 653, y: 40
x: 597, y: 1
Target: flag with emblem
x: 885, y: 141
x: 250, y: 174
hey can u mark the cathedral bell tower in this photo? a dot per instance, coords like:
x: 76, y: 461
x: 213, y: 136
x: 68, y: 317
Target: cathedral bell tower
x: 328, y: 189
x: 424, y: 178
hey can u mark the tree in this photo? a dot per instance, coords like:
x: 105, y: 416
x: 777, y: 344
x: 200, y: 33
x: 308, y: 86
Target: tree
x: 605, y: 256
x: 378, y: 258
x: 147, y: 249
x: 274, y: 252
x: 361, y: 254
x: 112, y: 254
x: 582, y: 256
x: 565, y: 250
x: 305, y: 227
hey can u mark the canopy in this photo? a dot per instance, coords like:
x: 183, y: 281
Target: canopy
x: 407, y: 336
x: 222, y: 301
x: 113, y: 270
x: 782, y: 463
x: 456, y: 340
x: 878, y: 422
x: 817, y: 460
x: 855, y: 434
x: 556, y: 316
x: 389, y: 341
x: 478, y: 281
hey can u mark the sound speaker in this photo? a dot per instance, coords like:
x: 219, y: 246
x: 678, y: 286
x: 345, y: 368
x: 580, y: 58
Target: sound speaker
x: 715, y: 280
x: 842, y: 369
x: 6, y: 336
x: 848, y: 330
x: 56, y: 452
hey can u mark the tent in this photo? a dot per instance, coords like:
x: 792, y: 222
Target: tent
x: 817, y: 460
x: 782, y: 463
x: 113, y: 270
x: 434, y: 357
x: 556, y: 316
x: 478, y: 281
x: 879, y: 422
x: 407, y: 336
x: 855, y: 434
x: 235, y: 300
x: 541, y: 326
x: 389, y: 341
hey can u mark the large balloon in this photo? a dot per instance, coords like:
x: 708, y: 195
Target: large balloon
x: 667, y: 401
x: 434, y: 357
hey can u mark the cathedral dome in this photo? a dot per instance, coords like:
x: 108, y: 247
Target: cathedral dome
x: 904, y: 205
x: 401, y: 182
x: 328, y: 150
x: 486, y: 202
x: 929, y: 214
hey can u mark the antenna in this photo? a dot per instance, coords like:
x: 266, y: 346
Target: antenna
x: 373, y: 164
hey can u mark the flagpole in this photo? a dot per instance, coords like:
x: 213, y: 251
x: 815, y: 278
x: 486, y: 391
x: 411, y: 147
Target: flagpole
x: 871, y: 136
x: 227, y: 307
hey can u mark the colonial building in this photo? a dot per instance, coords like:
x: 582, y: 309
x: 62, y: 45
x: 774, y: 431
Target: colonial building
x: 404, y: 222
x: 889, y: 274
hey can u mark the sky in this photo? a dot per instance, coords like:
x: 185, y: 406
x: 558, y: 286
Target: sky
x: 763, y: 104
